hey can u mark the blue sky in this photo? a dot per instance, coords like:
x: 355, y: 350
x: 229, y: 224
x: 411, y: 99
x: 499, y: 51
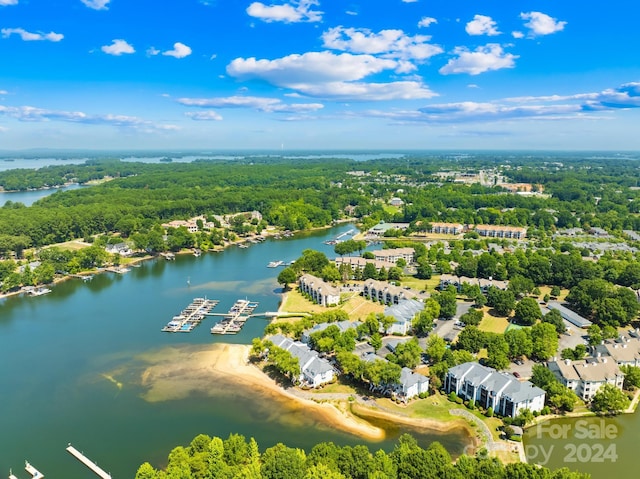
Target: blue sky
x: 329, y: 74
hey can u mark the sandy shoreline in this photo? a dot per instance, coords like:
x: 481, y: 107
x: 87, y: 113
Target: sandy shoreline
x: 175, y: 373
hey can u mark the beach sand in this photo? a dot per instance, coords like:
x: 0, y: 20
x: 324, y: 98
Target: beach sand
x: 174, y: 373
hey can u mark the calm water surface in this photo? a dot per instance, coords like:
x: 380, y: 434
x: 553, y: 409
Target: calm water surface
x: 65, y: 352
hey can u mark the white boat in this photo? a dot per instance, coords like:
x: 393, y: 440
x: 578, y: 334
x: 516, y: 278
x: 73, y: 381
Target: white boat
x: 39, y: 291
x: 275, y: 264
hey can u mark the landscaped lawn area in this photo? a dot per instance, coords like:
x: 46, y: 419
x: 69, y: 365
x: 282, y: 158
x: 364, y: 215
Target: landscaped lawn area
x: 493, y: 324
x: 355, y: 306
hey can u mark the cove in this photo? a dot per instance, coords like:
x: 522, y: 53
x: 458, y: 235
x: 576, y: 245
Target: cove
x: 73, y: 361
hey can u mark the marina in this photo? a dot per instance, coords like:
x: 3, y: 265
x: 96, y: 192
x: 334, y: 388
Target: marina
x: 191, y: 316
x: 35, y: 474
x: 235, y: 318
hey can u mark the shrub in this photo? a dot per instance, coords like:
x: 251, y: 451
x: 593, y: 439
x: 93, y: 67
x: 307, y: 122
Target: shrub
x: 453, y: 396
x: 489, y: 412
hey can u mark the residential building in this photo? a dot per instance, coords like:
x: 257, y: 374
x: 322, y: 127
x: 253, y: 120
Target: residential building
x: 381, y: 228
x: 395, y: 201
x: 501, y: 391
x: 501, y: 231
x: 321, y: 292
x: 447, y: 228
x: 457, y: 281
x: 358, y: 263
x: 191, y: 226
x: 586, y: 376
x: 121, y: 249
x: 314, y: 371
x: 384, y: 292
x: 403, y: 312
x: 624, y: 351
x: 411, y: 384
x: 392, y: 255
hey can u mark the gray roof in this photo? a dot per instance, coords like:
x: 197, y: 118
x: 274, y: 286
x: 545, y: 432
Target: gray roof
x: 405, y: 310
x: 569, y: 315
x: 476, y: 373
x: 408, y: 378
x: 310, y: 363
x: 342, y: 326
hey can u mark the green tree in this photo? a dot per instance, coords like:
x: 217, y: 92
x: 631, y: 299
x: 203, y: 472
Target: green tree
x: 501, y: 301
x: 471, y: 339
x: 519, y: 342
x: 436, y: 347
x: 545, y: 341
x: 631, y: 376
x: 448, y: 304
x: 609, y: 399
x: 527, y: 312
x: 287, y: 276
x: 555, y: 318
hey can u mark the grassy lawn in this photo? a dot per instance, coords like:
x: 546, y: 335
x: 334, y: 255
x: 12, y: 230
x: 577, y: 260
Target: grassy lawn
x: 73, y: 245
x: 355, y: 306
x: 493, y: 324
x: 547, y: 290
x: 433, y: 407
x: 335, y: 388
x: 421, y: 284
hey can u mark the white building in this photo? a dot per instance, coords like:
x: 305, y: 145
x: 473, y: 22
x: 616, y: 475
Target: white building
x: 392, y: 255
x: 492, y: 389
x: 411, y: 384
x: 314, y: 371
x: 322, y: 293
x: 586, y: 376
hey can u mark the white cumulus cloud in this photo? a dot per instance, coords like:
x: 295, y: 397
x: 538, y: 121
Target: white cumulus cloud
x: 180, y: 50
x: 392, y: 44
x: 517, y: 34
x: 96, y: 4
x: 426, y: 22
x: 327, y: 75
x: 482, y: 25
x: 4, y: 3
x: 293, y: 12
x: 541, y: 23
x: 30, y: 36
x: 483, y: 59
x: 118, y: 47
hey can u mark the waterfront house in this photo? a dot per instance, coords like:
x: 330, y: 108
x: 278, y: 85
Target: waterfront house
x: 586, y: 376
x: 358, y: 263
x: 493, y: 389
x: 191, y: 225
x: 411, y: 384
x: 381, y: 228
x: 323, y: 293
x: 314, y: 371
x: 121, y: 249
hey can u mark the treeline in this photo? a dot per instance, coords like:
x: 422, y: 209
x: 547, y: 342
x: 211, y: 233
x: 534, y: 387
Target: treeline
x: 235, y: 457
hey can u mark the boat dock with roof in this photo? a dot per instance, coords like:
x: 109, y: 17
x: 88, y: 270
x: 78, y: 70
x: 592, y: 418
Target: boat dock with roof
x: 236, y: 317
x: 191, y: 316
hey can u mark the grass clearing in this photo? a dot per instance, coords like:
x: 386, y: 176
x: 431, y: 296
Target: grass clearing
x: 493, y: 324
x: 356, y: 306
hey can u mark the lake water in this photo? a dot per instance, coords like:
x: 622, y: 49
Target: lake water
x: 65, y: 353
x: 28, y: 198
x: 603, y: 447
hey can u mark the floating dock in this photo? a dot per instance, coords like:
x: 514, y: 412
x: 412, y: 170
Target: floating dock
x: 35, y: 474
x: 191, y: 316
x: 235, y: 318
x: 88, y: 462
x: 275, y: 264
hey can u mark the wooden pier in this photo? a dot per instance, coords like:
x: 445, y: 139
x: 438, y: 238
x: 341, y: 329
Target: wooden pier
x: 235, y: 318
x: 88, y: 462
x: 191, y: 316
x: 35, y: 474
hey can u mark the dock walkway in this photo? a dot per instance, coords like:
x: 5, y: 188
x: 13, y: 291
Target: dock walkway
x: 88, y: 462
x: 191, y: 316
x: 235, y: 318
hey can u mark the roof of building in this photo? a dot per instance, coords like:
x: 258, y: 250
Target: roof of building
x: 342, y: 326
x: 622, y: 350
x: 319, y: 283
x: 393, y: 252
x: 590, y: 369
x: 405, y: 310
x: 310, y: 363
x: 569, y: 315
x: 408, y: 378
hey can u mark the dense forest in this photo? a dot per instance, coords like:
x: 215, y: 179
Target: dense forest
x: 235, y: 457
